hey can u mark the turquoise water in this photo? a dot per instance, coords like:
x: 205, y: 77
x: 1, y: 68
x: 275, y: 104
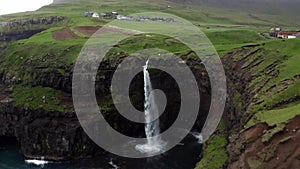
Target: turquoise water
x: 180, y: 157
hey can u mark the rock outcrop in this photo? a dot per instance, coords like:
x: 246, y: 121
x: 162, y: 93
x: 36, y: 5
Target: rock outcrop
x: 23, y: 29
x: 53, y: 135
x: 261, y: 145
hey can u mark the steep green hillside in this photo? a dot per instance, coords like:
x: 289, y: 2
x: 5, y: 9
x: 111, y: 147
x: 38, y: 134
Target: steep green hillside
x: 263, y: 74
x: 264, y: 93
x: 274, y: 91
x: 267, y: 86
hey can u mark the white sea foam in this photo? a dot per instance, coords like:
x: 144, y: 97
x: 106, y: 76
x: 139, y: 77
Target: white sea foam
x: 38, y: 162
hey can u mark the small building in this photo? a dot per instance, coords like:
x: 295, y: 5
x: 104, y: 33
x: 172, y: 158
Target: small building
x: 86, y: 14
x: 95, y: 15
x: 114, y: 13
x: 278, y: 29
x: 124, y: 17
x: 274, y: 31
x: 110, y: 15
x: 288, y: 35
x: 91, y: 13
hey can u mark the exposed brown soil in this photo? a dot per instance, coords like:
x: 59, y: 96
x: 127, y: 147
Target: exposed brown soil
x: 87, y: 30
x: 281, y: 152
x: 90, y: 30
x: 64, y: 34
x: 254, y: 133
x: 261, y: 146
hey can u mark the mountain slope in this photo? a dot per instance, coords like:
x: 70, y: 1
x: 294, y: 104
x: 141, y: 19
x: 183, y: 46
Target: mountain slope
x: 263, y: 74
x: 255, y: 12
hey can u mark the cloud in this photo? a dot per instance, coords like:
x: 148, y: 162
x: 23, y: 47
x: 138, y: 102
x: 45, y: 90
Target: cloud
x: 11, y: 6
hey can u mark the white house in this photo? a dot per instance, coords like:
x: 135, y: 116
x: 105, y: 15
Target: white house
x: 95, y: 15
x: 292, y: 37
x: 288, y: 35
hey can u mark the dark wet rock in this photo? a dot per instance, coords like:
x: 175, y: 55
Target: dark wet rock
x: 12, y: 36
x: 34, y: 21
x: 54, y: 135
x: 58, y: 135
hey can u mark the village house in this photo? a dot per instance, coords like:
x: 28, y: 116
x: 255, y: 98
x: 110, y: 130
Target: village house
x: 124, y: 17
x: 274, y: 31
x: 86, y: 14
x: 95, y: 15
x: 277, y: 32
x: 288, y: 35
x: 114, y: 13
x: 110, y: 15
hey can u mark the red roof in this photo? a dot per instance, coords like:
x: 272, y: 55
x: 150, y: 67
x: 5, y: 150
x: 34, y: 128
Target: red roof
x: 288, y: 33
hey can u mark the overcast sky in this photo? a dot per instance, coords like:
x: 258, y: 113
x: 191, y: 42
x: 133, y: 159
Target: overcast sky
x: 14, y: 6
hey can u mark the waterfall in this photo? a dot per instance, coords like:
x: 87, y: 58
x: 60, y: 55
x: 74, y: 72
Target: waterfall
x: 154, y: 144
x: 151, y: 129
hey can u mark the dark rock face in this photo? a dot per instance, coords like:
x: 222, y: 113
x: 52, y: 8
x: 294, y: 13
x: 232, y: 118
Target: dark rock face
x: 23, y: 29
x: 247, y: 144
x: 162, y: 81
x: 237, y: 80
x: 11, y: 36
x: 54, y: 135
x: 59, y: 136
x: 35, y: 21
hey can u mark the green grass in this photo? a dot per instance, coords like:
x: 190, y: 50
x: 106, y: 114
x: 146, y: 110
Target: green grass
x: 35, y: 52
x: 277, y: 116
x: 201, y: 14
x: 230, y: 37
x: 38, y: 98
x: 289, y: 67
x: 215, y: 154
x: 269, y: 89
x: 134, y: 44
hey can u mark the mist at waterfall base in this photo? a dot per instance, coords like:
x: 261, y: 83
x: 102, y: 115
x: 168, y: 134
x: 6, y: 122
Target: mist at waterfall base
x: 184, y: 156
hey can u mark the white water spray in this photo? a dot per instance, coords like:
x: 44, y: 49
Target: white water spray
x: 154, y: 143
x: 198, y: 136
